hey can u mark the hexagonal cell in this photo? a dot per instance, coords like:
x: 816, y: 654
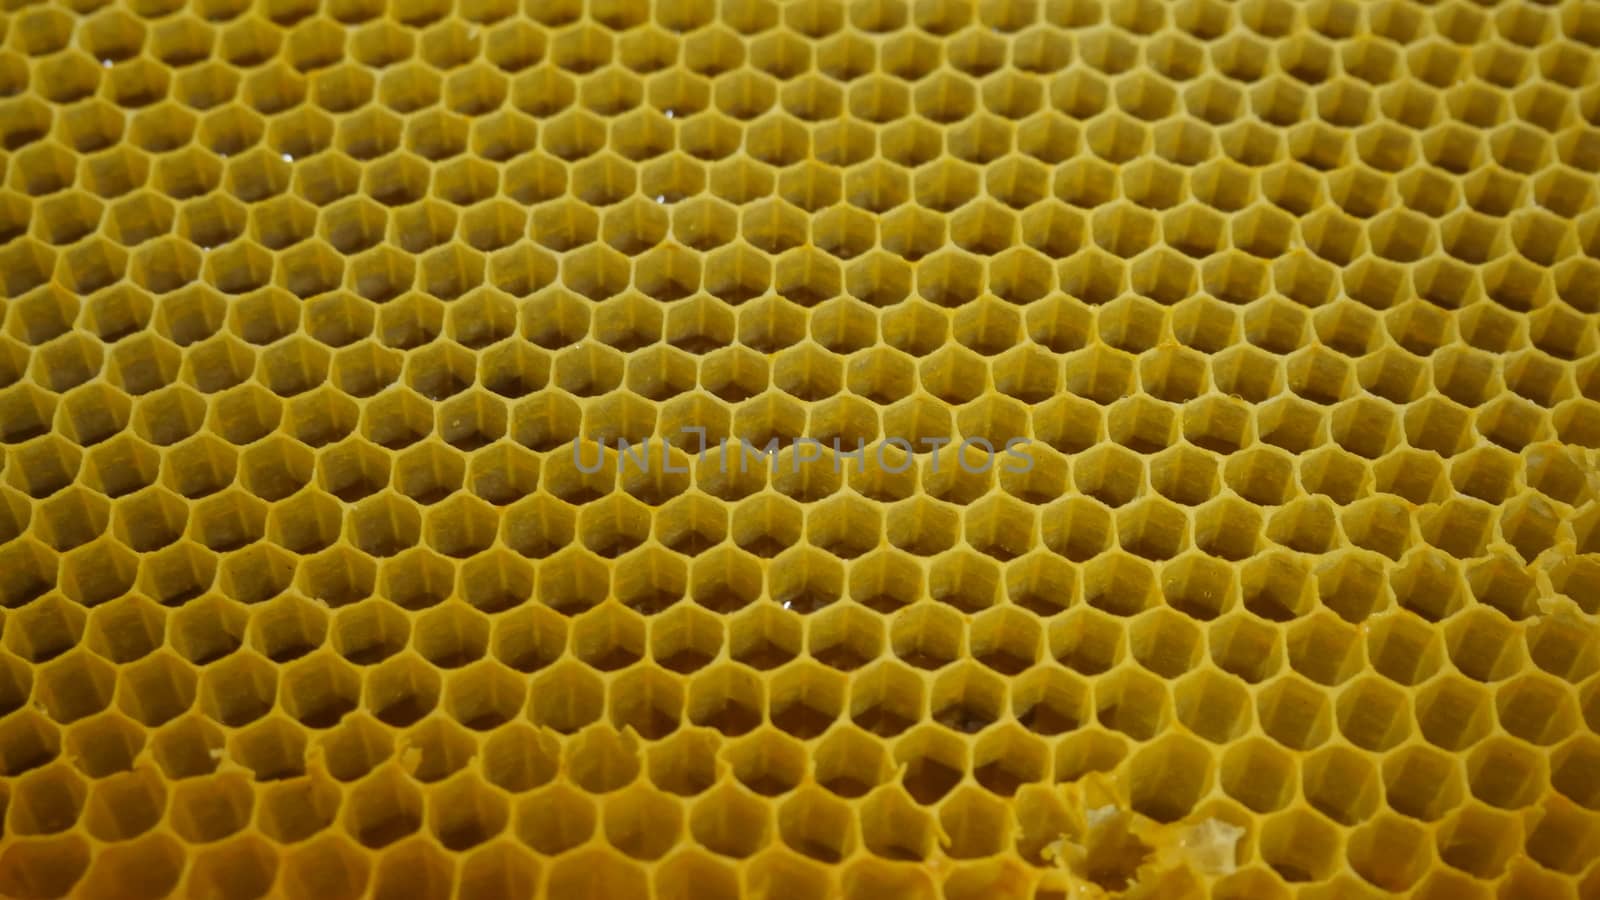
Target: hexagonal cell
x: 1165, y: 643
x: 649, y: 702
x: 1325, y: 649
x: 1300, y: 846
x: 124, y: 805
x: 597, y: 872
x: 966, y: 699
x: 47, y: 801
x: 1199, y: 587
x: 604, y: 760
x: 157, y: 858
x: 1258, y: 774
x: 1403, y: 648
x: 1373, y: 715
x: 845, y: 638
x: 967, y: 583
x: 642, y: 822
x: 1088, y: 641
x: 1342, y: 784
x: 728, y: 698
x: 1276, y: 586
x: 44, y: 629
x: 383, y: 809
x: 245, y: 865
x: 369, y: 632
x: 682, y: 764
x: 886, y: 698
x: 767, y: 763
x: 817, y: 826
x: 685, y: 639
x: 926, y: 637
x: 1561, y: 645
x: 319, y: 691
x: 351, y: 750
x: 72, y: 687
x: 1483, y: 645
x: 28, y: 742
x: 161, y: 688
x: 325, y: 865
x: 729, y: 823
x: 1120, y: 585
x: 211, y: 808
x: 104, y: 744
x: 401, y: 690
x: 1479, y: 841
x: 95, y: 573
x: 1574, y: 576
x: 1214, y: 706
x: 1132, y: 702
x: 1536, y: 708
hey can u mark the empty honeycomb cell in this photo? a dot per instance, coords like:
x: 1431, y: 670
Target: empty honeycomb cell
x: 157, y: 858
x: 1479, y: 841
x: 1536, y: 708
x: 48, y: 801
x: 325, y: 863
x: 1258, y: 774
x: 1375, y: 867
x: 1213, y: 706
x: 243, y: 865
x: 104, y: 744
x: 1557, y: 646
x: 1133, y: 703
x: 1443, y: 774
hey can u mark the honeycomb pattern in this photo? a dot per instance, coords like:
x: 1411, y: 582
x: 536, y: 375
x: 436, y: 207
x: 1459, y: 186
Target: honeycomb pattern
x: 307, y: 305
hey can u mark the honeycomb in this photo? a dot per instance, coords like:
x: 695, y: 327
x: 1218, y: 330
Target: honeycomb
x: 878, y: 450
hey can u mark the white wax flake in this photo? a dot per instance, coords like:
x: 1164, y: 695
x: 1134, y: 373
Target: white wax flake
x: 1059, y: 852
x: 411, y: 758
x: 1212, y: 846
x: 1100, y: 815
